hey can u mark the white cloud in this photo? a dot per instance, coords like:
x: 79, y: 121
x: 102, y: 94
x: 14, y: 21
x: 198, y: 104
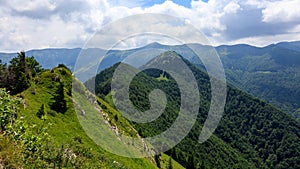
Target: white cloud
x: 232, y: 7
x: 57, y: 23
x: 31, y: 5
x: 282, y: 11
x: 262, y: 41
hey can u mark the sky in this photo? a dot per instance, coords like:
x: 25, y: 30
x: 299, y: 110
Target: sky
x: 37, y: 24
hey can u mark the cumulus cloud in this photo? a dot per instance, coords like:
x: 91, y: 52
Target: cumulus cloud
x: 57, y: 23
x: 231, y: 7
x: 282, y: 11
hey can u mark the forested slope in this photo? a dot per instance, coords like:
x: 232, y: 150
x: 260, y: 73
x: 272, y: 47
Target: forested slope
x: 250, y: 129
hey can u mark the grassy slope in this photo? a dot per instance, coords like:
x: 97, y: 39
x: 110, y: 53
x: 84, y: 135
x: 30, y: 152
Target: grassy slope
x: 165, y: 162
x: 116, y: 119
x: 65, y: 127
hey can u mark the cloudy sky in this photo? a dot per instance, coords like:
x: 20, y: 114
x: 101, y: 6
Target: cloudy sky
x: 36, y: 24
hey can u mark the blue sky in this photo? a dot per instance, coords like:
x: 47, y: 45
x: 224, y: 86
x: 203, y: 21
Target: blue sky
x: 57, y: 23
x: 186, y: 3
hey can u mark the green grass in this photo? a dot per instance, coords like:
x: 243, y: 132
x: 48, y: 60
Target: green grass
x: 65, y: 127
x: 165, y: 162
x: 162, y: 77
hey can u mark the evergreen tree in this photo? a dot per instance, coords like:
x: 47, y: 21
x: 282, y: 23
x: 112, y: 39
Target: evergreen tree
x: 2, y: 74
x: 2, y: 67
x: 191, y: 162
x: 34, y: 66
x: 157, y: 160
x: 170, y: 164
x: 41, y: 111
x: 18, y: 75
x: 59, y: 103
x: 21, y: 80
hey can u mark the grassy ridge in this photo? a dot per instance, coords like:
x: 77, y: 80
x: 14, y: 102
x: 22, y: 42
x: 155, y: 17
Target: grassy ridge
x: 64, y: 129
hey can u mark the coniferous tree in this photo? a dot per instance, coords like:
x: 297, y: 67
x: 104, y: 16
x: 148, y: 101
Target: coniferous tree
x: 170, y: 163
x: 2, y: 67
x: 2, y: 74
x: 157, y: 160
x: 59, y: 103
x: 191, y: 162
x: 41, y: 111
x: 19, y: 70
x: 18, y: 75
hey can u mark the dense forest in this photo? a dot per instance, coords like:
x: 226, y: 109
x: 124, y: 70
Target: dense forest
x: 251, y: 132
x: 271, y: 73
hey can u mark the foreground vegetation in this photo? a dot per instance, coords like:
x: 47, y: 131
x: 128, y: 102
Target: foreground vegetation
x: 40, y: 129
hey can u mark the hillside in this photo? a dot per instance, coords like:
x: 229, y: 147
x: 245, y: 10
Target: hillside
x: 271, y: 73
x: 40, y: 128
x: 251, y: 130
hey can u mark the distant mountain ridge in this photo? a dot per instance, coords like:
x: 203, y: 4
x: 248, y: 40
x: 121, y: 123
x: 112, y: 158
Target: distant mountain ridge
x: 271, y: 73
x: 50, y: 57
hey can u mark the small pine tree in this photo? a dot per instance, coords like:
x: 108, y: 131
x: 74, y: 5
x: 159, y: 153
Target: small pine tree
x: 191, y: 162
x: 41, y: 112
x: 59, y: 103
x: 170, y: 164
x: 157, y: 160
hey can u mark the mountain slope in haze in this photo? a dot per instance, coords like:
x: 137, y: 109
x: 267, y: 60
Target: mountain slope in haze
x: 290, y: 45
x: 250, y: 128
x: 271, y: 73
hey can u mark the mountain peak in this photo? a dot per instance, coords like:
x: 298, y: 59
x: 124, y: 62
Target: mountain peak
x: 163, y: 59
x: 154, y: 45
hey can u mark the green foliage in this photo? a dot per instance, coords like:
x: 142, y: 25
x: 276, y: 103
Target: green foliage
x: 140, y: 88
x: 251, y: 134
x: 59, y: 103
x: 2, y: 68
x: 297, y: 114
x: 18, y: 76
x: 67, y: 136
x: 271, y: 73
x: 55, y: 141
x: 170, y: 164
x: 8, y: 109
x: 34, y: 66
x: 157, y: 160
x: 28, y: 140
x: 41, y: 112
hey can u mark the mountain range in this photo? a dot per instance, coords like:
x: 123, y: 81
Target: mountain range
x: 271, y: 73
